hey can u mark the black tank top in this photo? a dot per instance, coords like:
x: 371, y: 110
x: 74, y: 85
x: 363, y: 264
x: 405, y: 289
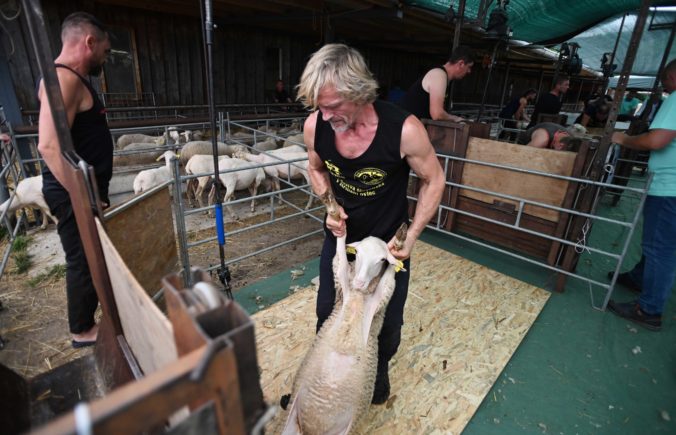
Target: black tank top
x: 372, y: 187
x: 92, y: 142
x: 417, y: 99
x: 510, y: 109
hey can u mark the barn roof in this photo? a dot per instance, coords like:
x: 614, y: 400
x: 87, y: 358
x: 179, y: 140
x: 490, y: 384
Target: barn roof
x: 424, y: 26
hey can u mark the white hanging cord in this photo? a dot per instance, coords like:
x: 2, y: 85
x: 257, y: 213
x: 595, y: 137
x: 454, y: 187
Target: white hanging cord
x: 581, y: 245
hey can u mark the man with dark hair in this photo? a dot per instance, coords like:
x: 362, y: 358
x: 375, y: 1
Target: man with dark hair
x: 653, y: 277
x: 550, y: 102
x: 595, y: 115
x: 85, y: 49
x: 425, y: 98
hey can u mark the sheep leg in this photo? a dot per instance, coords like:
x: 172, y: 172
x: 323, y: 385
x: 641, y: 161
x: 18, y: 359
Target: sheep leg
x: 253, y: 190
x: 341, y: 267
x: 292, y: 426
x: 190, y: 188
x: 46, y: 215
x: 229, y: 192
x: 377, y: 301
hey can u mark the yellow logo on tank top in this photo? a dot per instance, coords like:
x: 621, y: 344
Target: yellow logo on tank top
x: 370, y: 176
x: 366, y: 182
x: 333, y: 169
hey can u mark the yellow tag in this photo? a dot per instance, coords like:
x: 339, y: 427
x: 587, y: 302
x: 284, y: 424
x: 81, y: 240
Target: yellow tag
x: 399, y: 267
x: 351, y: 250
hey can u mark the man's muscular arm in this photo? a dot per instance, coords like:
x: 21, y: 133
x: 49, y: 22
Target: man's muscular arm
x: 319, y: 176
x: 48, y: 141
x: 419, y: 153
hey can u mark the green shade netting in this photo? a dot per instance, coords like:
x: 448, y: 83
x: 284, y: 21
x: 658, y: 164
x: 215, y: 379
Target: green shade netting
x: 599, y: 21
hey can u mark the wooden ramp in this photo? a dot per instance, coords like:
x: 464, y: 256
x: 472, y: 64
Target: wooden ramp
x: 463, y: 322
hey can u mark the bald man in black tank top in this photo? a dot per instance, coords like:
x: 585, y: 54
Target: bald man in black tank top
x: 85, y: 49
x: 363, y: 150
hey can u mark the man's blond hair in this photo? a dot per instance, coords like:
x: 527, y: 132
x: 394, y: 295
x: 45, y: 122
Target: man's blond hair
x: 343, y: 68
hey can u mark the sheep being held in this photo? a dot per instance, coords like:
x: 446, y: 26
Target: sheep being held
x: 334, y: 384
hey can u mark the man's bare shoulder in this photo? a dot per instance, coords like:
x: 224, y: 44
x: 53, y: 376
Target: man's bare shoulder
x: 70, y: 84
x: 309, y: 129
x: 414, y: 137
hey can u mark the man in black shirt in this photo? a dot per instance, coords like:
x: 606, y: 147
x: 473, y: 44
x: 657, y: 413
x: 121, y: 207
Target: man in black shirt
x: 367, y: 168
x: 425, y: 98
x: 85, y: 49
x: 550, y: 102
x: 281, y: 96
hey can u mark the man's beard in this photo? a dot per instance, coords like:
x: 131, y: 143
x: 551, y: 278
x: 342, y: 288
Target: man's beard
x: 341, y: 126
x: 96, y: 70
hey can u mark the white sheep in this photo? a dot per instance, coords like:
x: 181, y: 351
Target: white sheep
x: 266, y: 145
x: 334, y: 384
x: 180, y: 137
x: 294, y: 140
x: 241, y: 179
x: 292, y: 171
x: 204, y: 147
x: 200, y: 164
x: 127, y: 139
x: 141, y: 154
x: 149, y: 178
x: 28, y: 193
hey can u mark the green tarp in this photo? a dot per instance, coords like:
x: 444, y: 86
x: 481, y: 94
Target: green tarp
x: 594, y: 24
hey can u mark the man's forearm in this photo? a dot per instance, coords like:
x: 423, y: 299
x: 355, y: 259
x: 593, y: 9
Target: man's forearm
x: 642, y: 142
x: 429, y: 198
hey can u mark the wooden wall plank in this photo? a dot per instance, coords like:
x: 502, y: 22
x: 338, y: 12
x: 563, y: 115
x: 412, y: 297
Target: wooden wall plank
x: 138, y: 21
x: 155, y: 47
x: 528, y: 186
x: 147, y: 330
x: 170, y: 62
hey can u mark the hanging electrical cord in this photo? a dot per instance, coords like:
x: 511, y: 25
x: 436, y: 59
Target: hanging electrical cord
x: 16, y: 15
x: 208, y: 31
x: 4, y: 29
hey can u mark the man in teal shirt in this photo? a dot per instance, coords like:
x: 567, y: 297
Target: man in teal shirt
x: 655, y: 274
x: 628, y: 106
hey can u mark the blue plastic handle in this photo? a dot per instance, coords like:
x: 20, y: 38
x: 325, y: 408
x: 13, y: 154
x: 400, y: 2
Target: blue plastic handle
x: 219, y: 224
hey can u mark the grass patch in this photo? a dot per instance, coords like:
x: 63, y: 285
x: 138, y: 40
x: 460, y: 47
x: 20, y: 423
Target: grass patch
x: 54, y: 272
x: 22, y: 261
x: 3, y: 233
x: 20, y: 244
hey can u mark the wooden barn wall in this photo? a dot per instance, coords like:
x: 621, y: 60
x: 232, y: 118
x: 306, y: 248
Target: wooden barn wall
x: 170, y: 57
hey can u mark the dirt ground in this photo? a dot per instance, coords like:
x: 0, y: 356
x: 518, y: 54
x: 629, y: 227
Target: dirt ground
x: 34, y: 323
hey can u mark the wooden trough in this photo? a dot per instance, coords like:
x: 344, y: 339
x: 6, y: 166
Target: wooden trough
x: 192, y: 371
x: 471, y: 205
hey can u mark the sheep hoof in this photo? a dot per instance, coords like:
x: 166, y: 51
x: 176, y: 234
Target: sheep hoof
x: 381, y: 392
x: 284, y: 401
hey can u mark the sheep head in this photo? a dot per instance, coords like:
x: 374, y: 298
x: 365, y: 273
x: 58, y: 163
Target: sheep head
x: 372, y: 256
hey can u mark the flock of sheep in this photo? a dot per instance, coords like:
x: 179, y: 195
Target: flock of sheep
x: 239, y: 165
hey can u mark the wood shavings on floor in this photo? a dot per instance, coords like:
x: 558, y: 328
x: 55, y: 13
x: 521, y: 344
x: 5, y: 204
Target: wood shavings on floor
x: 463, y: 322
